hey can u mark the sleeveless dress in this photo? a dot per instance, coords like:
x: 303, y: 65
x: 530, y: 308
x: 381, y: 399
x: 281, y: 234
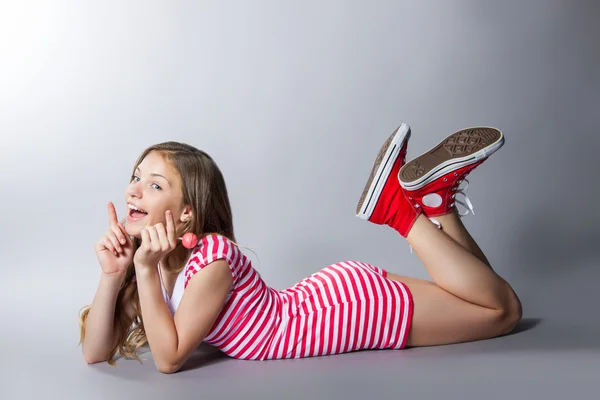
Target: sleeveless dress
x: 346, y: 306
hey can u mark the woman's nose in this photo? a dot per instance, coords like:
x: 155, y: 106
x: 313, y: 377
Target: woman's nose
x: 133, y: 190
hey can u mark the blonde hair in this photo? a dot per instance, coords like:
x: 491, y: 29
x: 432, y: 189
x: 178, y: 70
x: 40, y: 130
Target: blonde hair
x: 204, y: 189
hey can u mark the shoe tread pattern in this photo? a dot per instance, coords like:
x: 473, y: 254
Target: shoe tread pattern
x: 460, y: 144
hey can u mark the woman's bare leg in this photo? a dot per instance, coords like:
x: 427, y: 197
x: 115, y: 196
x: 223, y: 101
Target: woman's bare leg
x: 469, y: 301
x: 442, y: 318
x: 453, y: 227
x: 455, y: 269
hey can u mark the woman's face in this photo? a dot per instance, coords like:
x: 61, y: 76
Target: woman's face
x: 154, y: 188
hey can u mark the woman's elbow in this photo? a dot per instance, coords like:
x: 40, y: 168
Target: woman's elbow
x: 167, y: 368
x: 92, y: 360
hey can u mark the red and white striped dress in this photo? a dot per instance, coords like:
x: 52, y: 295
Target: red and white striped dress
x: 344, y: 307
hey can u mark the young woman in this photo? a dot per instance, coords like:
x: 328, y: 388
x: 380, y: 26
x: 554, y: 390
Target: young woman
x: 154, y: 290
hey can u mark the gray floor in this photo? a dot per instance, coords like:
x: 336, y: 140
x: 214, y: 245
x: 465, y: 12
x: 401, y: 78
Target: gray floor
x: 544, y: 358
x: 553, y: 354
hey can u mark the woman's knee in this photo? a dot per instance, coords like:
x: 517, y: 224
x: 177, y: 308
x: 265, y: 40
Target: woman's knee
x: 512, y: 313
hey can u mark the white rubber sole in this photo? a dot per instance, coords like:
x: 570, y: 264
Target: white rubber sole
x: 452, y: 164
x: 370, y: 198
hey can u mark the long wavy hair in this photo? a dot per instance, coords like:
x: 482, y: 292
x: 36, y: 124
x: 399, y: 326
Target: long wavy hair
x: 205, y: 191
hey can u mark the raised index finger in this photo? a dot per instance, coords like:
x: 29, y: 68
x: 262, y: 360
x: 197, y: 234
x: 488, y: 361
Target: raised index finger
x: 112, y: 214
x: 171, y: 228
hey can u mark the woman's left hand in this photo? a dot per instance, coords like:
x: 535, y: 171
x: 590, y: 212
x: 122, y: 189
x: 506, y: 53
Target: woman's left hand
x: 157, y: 242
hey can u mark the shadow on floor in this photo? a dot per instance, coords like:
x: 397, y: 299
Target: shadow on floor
x: 525, y: 324
x: 204, y: 356
x: 530, y: 335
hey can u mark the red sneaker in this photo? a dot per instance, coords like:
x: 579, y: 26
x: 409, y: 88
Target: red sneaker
x: 432, y: 180
x: 383, y: 202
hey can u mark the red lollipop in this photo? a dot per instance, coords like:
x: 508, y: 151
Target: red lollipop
x: 189, y: 240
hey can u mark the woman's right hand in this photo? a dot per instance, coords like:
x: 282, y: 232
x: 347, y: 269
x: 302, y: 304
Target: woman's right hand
x: 115, y: 248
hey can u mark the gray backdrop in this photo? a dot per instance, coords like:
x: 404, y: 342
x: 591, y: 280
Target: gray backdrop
x: 293, y: 100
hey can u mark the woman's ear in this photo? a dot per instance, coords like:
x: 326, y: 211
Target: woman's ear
x: 186, y: 214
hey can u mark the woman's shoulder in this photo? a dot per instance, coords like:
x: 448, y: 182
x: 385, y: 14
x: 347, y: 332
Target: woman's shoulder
x: 211, y: 241
x: 210, y: 248
x: 215, y: 246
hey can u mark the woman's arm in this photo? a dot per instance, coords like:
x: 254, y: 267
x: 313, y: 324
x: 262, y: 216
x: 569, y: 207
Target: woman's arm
x: 173, y: 340
x: 99, y: 326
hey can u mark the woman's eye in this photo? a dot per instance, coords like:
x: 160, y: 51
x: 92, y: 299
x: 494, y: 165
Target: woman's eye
x: 133, y: 177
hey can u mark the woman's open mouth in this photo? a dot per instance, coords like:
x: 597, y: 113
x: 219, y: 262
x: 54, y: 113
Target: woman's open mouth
x: 135, y: 213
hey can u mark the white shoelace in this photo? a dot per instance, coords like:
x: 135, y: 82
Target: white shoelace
x: 467, y: 203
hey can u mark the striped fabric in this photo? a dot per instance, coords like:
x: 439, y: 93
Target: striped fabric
x: 344, y: 307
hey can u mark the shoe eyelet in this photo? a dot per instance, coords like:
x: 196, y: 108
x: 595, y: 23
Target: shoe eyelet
x: 455, y: 174
x: 445, y: 179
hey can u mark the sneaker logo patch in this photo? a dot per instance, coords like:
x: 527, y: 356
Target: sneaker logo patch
x: 432, y: 200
